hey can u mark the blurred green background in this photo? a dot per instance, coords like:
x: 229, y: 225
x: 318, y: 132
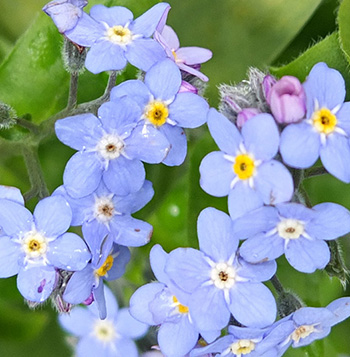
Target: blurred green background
x: 241, y: 34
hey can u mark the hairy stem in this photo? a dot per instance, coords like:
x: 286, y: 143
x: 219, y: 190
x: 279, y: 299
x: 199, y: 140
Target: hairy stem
x: 73, y: 90
x: 35, y: 129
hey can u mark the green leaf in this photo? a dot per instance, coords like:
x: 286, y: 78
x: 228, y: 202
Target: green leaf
x: 344, y: 27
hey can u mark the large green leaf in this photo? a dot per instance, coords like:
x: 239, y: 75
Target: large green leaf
x: 344, y: 27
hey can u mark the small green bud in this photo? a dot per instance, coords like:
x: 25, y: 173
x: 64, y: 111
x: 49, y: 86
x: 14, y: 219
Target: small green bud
x: 7, y: 116
x: 73, y: 57
x: 336, y: 266
x: 287, y: 303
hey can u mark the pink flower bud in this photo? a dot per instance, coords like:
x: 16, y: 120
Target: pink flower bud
x: 268, y: 83
x: 287, y: 100
x: 187, y: 87
x: 245, y: 115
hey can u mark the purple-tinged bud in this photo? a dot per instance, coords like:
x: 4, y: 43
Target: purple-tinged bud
x: 187, y: 87
x: 245, y: 114
x: 268, y: 82
x: 287, y: 100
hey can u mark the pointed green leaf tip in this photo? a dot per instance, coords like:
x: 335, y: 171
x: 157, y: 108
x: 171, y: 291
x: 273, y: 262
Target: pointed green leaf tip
x: 344, y: 27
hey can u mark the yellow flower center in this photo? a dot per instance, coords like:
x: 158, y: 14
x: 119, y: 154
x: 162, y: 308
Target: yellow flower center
x: 34, y: 245
x: 104, y: 330
x: 157, y: 113
x: 324, y: 121
x: 105, y: 267
x: 119, y: 35
x: 244, y: 166
x: 302, y: 332
x: 182, y: 308
x: 242, y: 347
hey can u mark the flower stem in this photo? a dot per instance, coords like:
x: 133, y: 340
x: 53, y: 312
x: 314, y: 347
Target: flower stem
x: 28, y: 125
x: 73, y: 90
x: 315, y: 171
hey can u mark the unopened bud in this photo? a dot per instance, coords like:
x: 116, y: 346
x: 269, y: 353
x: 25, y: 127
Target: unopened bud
x: 287, y: 303
x: 187, y: 87
x: 7, y: 116
x: 336, y: 266
x: 73, y: 57
x: 245, y: 114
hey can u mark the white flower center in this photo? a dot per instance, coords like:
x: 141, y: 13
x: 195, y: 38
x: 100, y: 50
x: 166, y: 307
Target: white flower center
x: 104, y: 209
x: 302, y: 332
x: 290, y: 228
x: 104, y: 330
x: 242, y: 347
x: 223, y: 275
x: 119, y: 35
x: 34, y: 245
x: 110, y: 146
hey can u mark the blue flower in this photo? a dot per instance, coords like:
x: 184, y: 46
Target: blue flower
x: 112, y: 336
x: 218, y: 280
x: 325, y: 132
x: 65, y: 13
x: 110, y: 148
x: 115, y: 38
x: 294, y: 230
x: 162, y: 303
x: 244, y: 169
x: 34, y: 246
x: 163, y: 108
x: 108, y: 264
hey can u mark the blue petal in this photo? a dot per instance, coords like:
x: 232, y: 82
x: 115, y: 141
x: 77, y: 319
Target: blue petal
x: 177, y: 339
x: 100, y: 300
x: 225, y: 133
x: 68, y: 252
x: 256, y: 272
x: 12, y: 194
x: 163, y: 80
x: 124, y: 176
x: 110, y: 302
x: 216, y: 174
x: 215, y: 234
x: 300, y: 145
x: 135, y: 89
x: 296, y: 211
x: 79, y: 286
x: 158, y: 257
x: 143, y: 53
x: 261, y: 136
x: 219, y: 346
x: 78, y: 322
x: 105, y: 56
x: 307, y: 256
x: 148, y: 144
x: 91, y: 346
x: 36, y: 283
x: 178, y: 144
x: 189, y: 110
x: 52, y: 216
x: 252, y: 305
x: 112, y: 16
x: 82, y: 174
x: 128, y: 326
x: 243, y: 199
x: 79, y: 131
x: 326, y: 225
x: 10, y: 253
x: 274, y: 183
x: 148, y: 21
x: 14, y: 218
x: 340, y: 309
x: 335, y: 156
x: 121, y: 259
x: 343, y: 117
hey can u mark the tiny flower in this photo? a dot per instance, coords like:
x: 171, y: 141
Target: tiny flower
x: 325, y: 131
x: 110, y: 149
x: 165, y: 109
x: 220, y: 282
x: 112, y: 336
x: 34, y: 246
x: 65, y: 13
x: 286, y: 99
x: 244, y: 169
x: 186, y: 58
x: 115, y: 38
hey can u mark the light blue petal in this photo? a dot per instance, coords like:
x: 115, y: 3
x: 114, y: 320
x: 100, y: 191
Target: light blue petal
x: 10, y: 253
x: 82, y: 174
x: 135, y: 89
x: 189, y: 110
x: 225, y: 133
x: 218, y: 346
x: 340, y: 309
x: 252, y: 305
x: 52, y: 216
x: 177, y: 339
x: 148, y: 144
x: 216, y: 174
x: 36, y: 283
x: 121, y: 259
x: 194, y: 55
x: 158, y: 257
x: 296, y: 211
x: 143, y: 53
x: 14, y: 218
x: 94, y: 234
x: 90, y: 346
x: 343, y: 117
x: 78, y: 322
x: 274, y: 183
x: 79, y: 286
x: 178, y: 144
x: 335, y: 156
x: 243, y: 199
x: 261, y: 136
x: 215, y: 234
x: 105, y: 56
x: 163, y: 80
x: 128, y: 326
x: 68, y: 252
x: 124, y: 176
x: 256, y: 272
x: 12, y: 194
x: 79, y: 131
x: 326, y: 225
x: 112, y: 16
x: 111, y: 304
x: 300, y: 145
x: 307, y: 256
x: 148, y: 21
x: 100, y: 300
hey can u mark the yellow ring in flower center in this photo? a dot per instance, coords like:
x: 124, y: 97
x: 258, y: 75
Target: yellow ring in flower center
x: 244, y: 166
x: 324, y: 121
x: 105, y: 267
x: 119, y: 35
x: 157, y: 113
x: 182, y: 308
